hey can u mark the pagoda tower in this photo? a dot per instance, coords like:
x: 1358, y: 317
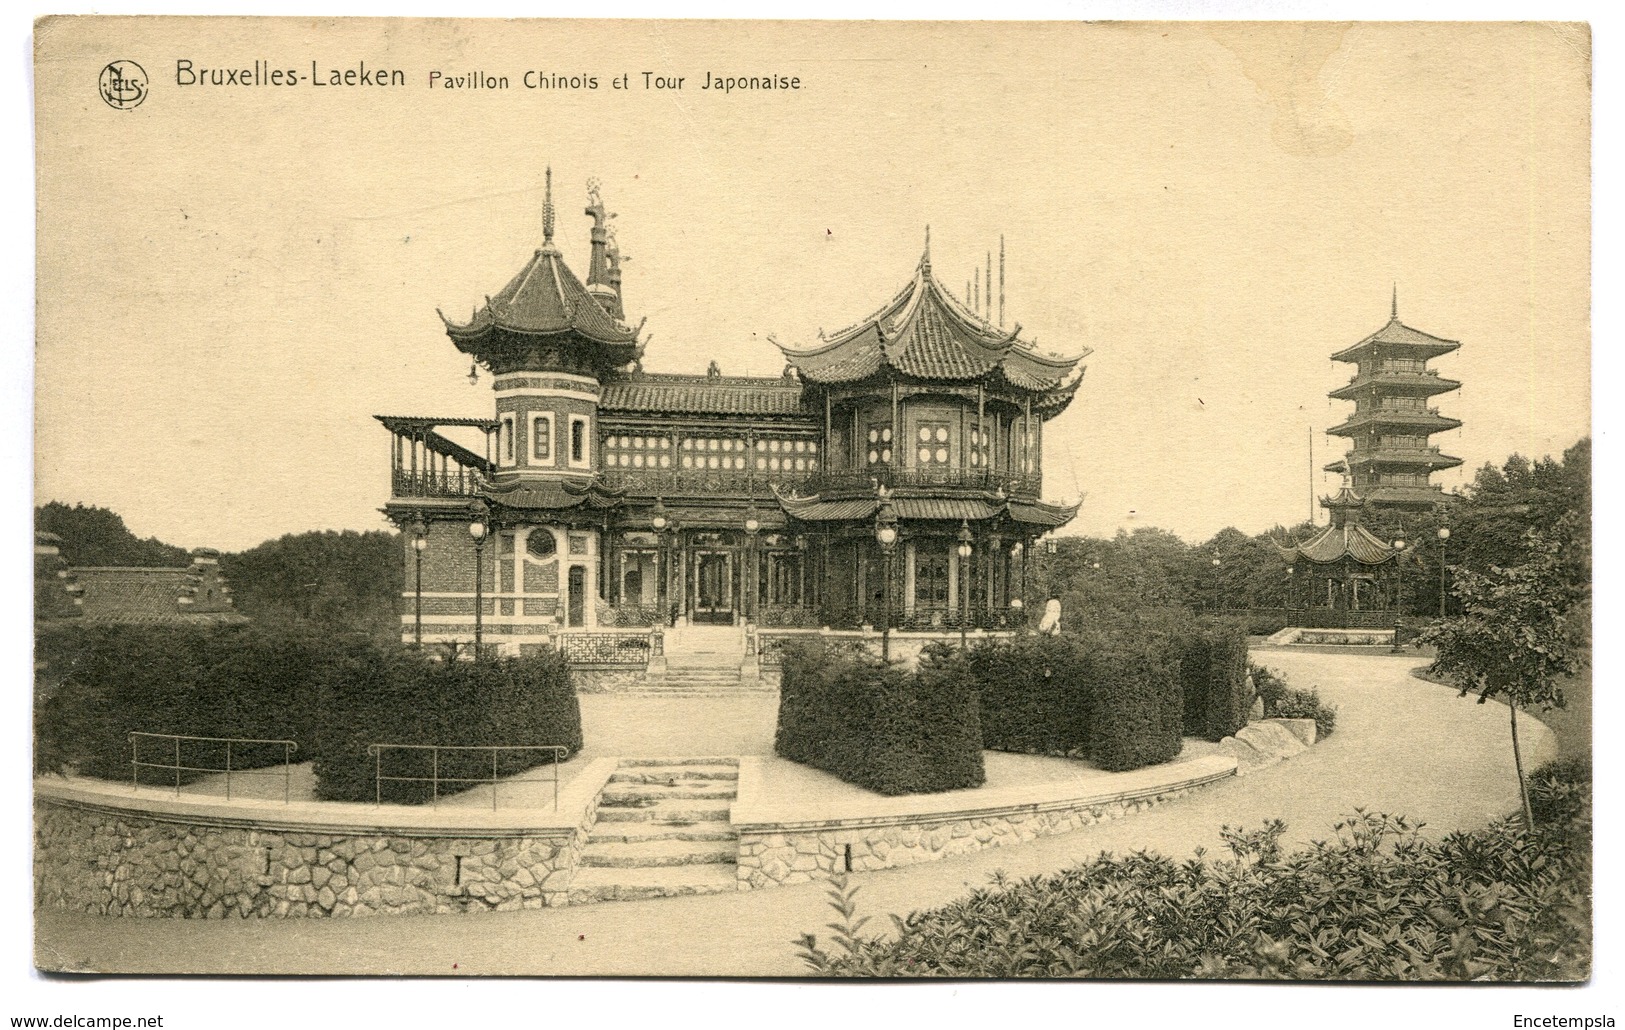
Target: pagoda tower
x: 1391, y: 462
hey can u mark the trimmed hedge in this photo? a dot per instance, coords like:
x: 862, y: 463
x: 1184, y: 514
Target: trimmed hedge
x: 405, y: 699
x: 1034, y: 696
x: 1114, y: 698
x: 1213, y: 670
x: 1136, y: 704
x: 878, y: 725
x: 332, y: 695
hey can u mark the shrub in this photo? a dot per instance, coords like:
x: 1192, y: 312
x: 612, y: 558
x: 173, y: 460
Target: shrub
x: 1268, y: 685
x: 1135, y: 703
x: 1378, y: 902
x: 1213, y: 670
x: 407, y: 699
x: 1306, y: 704
x: 332, y: 695
x: 878, y: 725
x: 1033, y: 694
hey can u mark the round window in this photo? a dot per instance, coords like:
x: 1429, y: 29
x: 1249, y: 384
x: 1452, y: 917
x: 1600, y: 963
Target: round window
x: 925, y: 434
x: 540, y: 544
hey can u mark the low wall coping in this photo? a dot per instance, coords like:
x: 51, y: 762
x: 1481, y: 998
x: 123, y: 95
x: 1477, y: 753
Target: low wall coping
x: 333, y: 817
x: 755, y: 813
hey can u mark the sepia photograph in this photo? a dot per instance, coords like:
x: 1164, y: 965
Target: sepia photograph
x: 766, y: 500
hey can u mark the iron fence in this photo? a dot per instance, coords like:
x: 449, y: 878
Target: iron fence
x: 606, y: 648
x: 179, y: 767
x: 438, y: 774
x: 635, y: 615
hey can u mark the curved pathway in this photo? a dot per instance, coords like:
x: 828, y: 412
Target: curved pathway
x: 1401, y: 746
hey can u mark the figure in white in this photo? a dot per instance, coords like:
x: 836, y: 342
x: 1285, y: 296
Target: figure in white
x: 1050, y: 624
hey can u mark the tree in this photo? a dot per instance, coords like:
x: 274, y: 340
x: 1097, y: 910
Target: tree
x: 347, y: 582
x: 97, y: 536
x: 1517, y: 636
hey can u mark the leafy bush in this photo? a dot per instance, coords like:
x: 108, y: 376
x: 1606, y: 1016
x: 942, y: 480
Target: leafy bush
x: 878, y: 725
x: 1213, y: 669
x: 1268, y: 685
x: 1379, y: 902
x: 1306, y: 704
x: 332, y: 695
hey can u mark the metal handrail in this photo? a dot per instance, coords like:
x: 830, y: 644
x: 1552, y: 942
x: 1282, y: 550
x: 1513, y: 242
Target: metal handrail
x: 558, y: 751
x: 136, y: 765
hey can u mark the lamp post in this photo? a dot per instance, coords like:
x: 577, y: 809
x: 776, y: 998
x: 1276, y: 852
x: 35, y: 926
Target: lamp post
x: 886, y: 536
x: 420, y: 543
x: 1399, y: 588
x: 752, y: 524
x: 1444, y: 535
x: 1291, y: 586
x: 964, y: 551
x: 477, y: 530
x: 659, y: 521
x: 1216, y: 564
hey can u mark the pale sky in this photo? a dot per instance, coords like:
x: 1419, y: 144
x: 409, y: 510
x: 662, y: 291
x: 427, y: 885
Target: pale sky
x: 233, y: 280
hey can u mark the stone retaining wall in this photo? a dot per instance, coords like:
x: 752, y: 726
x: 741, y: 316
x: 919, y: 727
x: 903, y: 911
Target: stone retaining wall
x: 106, y: 850
x: 786, y: 846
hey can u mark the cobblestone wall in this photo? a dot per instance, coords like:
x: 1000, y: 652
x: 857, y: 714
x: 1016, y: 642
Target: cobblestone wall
x: 772, y: 859
x: 111, y: 862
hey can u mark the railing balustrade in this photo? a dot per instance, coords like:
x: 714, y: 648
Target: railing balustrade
x: 436, y: 777
x: 629, y: 647
x: 178, y: 766
x: 459, y: 482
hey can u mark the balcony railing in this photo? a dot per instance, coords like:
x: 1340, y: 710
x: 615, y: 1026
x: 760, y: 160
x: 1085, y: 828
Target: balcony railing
x: 694, y: 482
x: 1017, y: 484
x: 460, y: 482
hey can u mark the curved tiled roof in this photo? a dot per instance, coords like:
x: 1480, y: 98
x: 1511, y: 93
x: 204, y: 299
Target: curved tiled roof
x: 544, y: 298
x: 1398, y: 334
x: 1349, y: 540
x: 925, y: 332
x: 940, y: 509
x: 550, y: 494
x: 704, y: 395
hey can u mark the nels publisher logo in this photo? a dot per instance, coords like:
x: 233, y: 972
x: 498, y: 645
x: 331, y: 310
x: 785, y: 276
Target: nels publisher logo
x: 123, y: 85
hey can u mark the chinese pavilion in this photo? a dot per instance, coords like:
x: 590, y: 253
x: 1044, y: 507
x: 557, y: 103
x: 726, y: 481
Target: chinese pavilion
x: 600, y: 494
x: 1391, y: 461
x: 1340, y: 564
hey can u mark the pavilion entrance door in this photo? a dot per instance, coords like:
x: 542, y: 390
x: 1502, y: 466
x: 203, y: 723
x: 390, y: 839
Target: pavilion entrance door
x: 714, y: 587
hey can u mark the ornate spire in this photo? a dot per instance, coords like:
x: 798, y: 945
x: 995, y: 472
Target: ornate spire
x: 925, y: 259
x: 547, y: 210
x: 1394, y: 311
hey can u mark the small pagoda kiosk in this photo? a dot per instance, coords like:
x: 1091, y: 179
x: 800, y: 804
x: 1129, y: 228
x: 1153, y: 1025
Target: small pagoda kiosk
x: 933, y: 428
x: 1340, y: 564
x: 1391, y: 462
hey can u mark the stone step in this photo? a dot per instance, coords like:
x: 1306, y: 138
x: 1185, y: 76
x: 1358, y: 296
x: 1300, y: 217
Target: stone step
x: 670, y: 775
x: 676, y: 812
x: 631, y: 833
x: 684, y: 761
x: 650, y: 854
x: 591, y: 885
x: 708, y: 790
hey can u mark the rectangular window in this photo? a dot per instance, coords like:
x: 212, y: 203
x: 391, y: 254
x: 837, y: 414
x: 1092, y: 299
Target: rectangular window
x: 541, y: 439
x: 578, y: 440
x: 931, y: 445
x: 931, y: 581
x: 505, y: 440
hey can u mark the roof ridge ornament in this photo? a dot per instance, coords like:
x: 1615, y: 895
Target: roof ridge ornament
x: 925, y: 258
x: 1393, y: 312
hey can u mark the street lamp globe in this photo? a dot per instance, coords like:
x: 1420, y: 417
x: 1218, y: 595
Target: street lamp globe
x: 476, y: 529
x: 1399, y: 543
x: 887, y: 535
x: 752, y: 524
x: 420, y: 544
x: 1444, y: 532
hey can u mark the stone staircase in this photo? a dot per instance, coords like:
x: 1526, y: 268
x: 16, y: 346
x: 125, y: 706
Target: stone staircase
x: 703, y: 661
x: 662, y: 830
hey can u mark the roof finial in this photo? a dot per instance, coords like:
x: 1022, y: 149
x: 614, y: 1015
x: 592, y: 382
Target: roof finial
x: 1394, y: 311
x: 925, y: 259
x: 547, y: 209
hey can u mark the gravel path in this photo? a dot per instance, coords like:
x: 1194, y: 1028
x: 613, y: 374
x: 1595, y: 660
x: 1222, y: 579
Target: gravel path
x: 1402, y: 746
